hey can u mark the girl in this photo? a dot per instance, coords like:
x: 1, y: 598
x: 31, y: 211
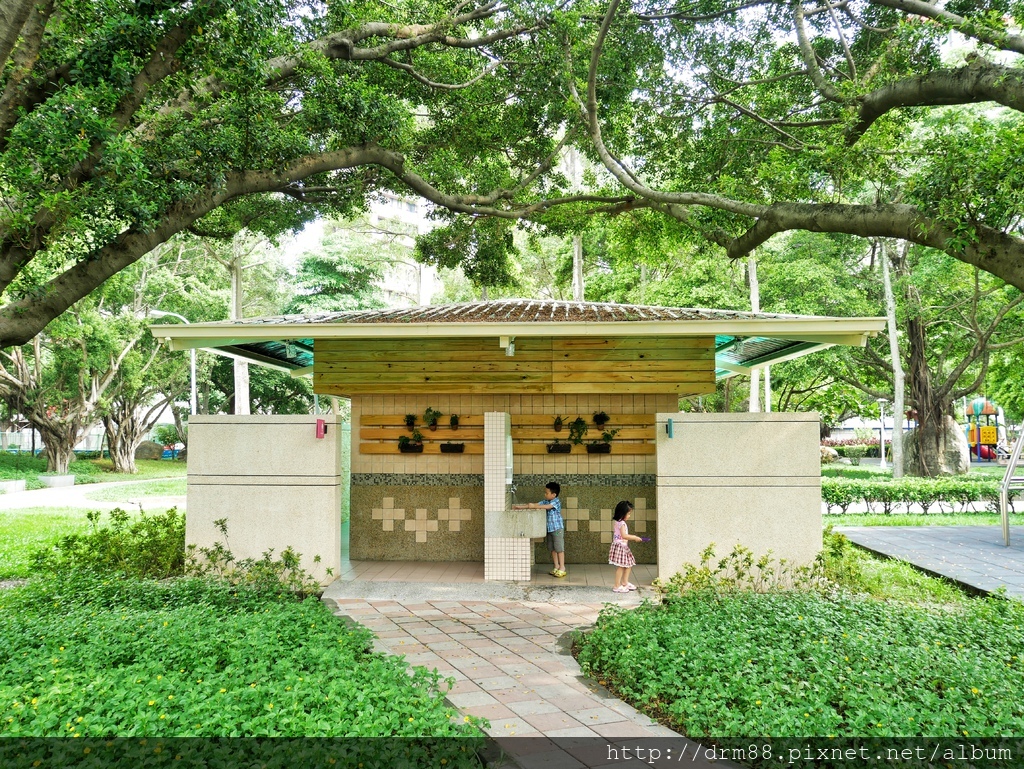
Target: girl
x: 619, y: 555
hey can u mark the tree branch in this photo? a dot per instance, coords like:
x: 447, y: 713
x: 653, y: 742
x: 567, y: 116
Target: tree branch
x: 979, y: 81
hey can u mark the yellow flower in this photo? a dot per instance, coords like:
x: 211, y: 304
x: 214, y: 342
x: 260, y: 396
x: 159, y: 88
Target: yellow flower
x: 222, y: 691
x: 170, y: 696
x: 411, y: 720
x: 758, y: 702
x: 974, y: 691
x: 152, y: 702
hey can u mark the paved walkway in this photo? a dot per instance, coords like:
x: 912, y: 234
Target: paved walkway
x: 77, y: 496
x: 507, y: 646
x: 971, y: 555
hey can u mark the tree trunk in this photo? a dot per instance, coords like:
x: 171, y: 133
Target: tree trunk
x: 755, y: 306
x: 121, y: 448
x: 934, y: 441
x: 577, y: 268
x: 59, y: 450
x: 899, y: 406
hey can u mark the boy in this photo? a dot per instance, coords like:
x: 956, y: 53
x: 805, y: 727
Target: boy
x: 555, y: 526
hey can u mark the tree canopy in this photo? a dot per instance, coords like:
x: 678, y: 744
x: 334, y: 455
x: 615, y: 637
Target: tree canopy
x: 122, y: 124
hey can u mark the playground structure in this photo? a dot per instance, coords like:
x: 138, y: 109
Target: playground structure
x: 987, y: 439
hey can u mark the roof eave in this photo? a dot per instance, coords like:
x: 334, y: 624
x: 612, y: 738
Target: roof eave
x: 844, y: 331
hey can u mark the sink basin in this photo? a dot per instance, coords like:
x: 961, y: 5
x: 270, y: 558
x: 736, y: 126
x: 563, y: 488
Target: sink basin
x: 517, y: 523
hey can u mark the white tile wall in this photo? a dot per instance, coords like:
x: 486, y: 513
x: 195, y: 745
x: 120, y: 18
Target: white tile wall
x: 507, y: 559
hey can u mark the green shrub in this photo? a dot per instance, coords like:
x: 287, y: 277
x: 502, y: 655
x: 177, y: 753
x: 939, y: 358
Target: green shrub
x: 740, y: 570
x: 963, y: 493
x: 83, y: 656
x: 149, y: 546
x: 804, y: 664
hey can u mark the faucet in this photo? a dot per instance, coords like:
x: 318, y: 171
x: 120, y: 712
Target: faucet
x: 512, y: 490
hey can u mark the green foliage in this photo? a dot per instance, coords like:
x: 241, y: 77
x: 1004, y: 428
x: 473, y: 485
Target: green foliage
x: 23, y: 532
x: 963, y: 493
x: 28, y: 468
x: 89, y: 656
x: 147, y: 547
x: 483, y: 248
x: 270, y: 391
x: 340, y: 275
x: 430, y: 416
x: 805, y: 664
x: 165, y: 435
x: 739, y: 570
x: 578, y: 428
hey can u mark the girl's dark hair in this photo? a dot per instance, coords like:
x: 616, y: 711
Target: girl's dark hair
x: 621, y: 509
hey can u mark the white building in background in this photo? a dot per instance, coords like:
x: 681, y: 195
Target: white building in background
x: 406, y: 283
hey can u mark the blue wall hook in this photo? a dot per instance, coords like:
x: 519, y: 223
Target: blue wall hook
x: 668, y: 427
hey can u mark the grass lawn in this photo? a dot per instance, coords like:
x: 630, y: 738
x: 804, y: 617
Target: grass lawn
x: 894, y: 653
x: 918, y: 519
x: 165, y: 488
x: 24, y: 531
x: 23, y: 466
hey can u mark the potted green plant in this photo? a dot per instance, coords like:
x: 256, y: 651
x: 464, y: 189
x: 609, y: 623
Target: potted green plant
x: 430, y: 416
x: 453, y: 421
x: 604, y: 445
x: 411, y: 444
x: 452, y: 448
x: 410, y: 422
x: 577, y: 429
x: 559, y: 447
x: 558, y: 424
x: 601, y: 419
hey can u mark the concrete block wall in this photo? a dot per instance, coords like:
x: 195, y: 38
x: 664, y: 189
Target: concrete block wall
x: 274, y: 481
x: 727, y: 479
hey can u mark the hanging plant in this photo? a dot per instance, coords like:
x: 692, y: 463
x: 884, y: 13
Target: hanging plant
x: 430, y: 416
x: 577, y: 429
x: 410, y: 422
x: 453, y: 421
x: 601, y: 419
x: 558, y: 424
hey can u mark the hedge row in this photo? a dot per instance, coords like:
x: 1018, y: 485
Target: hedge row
x: 961, y: 494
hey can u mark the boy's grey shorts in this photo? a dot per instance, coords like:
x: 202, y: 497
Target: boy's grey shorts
x: 556, y: 541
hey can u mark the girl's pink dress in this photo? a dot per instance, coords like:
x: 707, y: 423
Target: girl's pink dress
x: 620, y: 554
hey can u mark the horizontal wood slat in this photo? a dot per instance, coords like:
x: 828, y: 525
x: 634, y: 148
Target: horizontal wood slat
x: 628, y: 342
x: 548, y: 434
x: 620, y: 449
x: 441, y: 433
x: 613, y: 419
x: 428, y: 448
x: 541, y: 365
x: 385, y: 420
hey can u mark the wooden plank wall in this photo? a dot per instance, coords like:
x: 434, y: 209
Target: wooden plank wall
x: 379, y: 433
x: 541, y: 365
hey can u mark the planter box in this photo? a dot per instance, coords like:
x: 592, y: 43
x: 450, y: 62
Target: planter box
x: 57, y: 481
x: 559, y: 448
x: 417, y: 449
x: 453, y: 448
x: 599, y: 448
x: 9, y: 487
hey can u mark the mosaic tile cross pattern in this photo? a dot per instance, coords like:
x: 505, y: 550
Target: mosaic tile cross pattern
x: 420, y: 523
x: 575, y: 516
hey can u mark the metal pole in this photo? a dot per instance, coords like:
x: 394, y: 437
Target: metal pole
x: 193, y: 401
x: 881, y: 432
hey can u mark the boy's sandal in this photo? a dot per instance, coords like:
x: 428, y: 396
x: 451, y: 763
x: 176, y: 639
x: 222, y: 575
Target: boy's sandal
x: 553, y: 572
x: 561, y: 573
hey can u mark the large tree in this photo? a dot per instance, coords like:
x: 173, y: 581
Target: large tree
x: 123, y: 124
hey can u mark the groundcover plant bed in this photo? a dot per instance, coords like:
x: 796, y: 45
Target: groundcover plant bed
x: 93, y: 657
x: 802, y: 664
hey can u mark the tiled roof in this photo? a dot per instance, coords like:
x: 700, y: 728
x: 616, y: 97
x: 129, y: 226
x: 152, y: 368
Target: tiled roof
x: 519, y: 311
